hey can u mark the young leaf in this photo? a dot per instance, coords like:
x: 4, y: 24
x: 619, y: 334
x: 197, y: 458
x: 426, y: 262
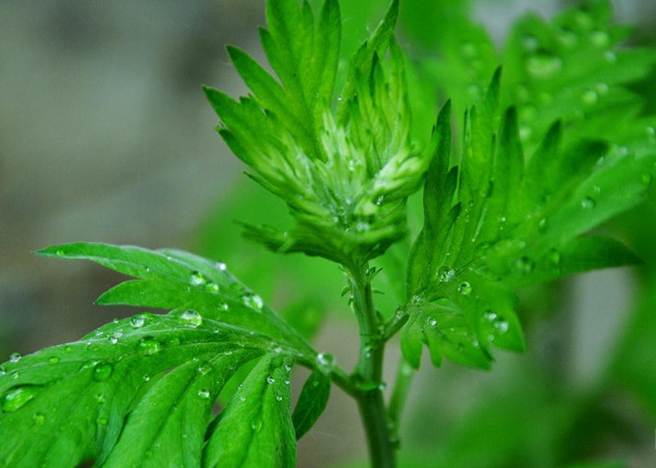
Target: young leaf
x: 311, y: 403
x: 345, y: 173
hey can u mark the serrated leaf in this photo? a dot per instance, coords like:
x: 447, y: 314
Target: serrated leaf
x: 513, y: 224
x: 173, y: 279
x: 152, y: 375
x: 255, y: 429
x: 311, y: 403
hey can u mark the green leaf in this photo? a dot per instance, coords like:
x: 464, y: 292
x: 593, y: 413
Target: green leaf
x: 256, y: 430
x: 311, y: 403
x: 344, y: 173
x: 173, y: 279
x: 509, y: 224
x: 137, y: 392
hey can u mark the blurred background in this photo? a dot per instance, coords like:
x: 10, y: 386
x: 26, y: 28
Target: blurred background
x: 105, y: 135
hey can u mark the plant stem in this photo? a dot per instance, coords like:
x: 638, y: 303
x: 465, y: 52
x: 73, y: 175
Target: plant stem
x: 368, y: 373
x: 404, y: 374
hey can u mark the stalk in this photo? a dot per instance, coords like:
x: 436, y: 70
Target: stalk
x: 368, y: 373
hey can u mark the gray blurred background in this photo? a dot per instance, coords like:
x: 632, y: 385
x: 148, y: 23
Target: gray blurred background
x: 105, y: 135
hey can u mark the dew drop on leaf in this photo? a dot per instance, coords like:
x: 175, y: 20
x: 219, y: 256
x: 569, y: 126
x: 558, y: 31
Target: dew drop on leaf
x: 148, y: 345
x: 270, y: 380
x: 203, y: 394
x: 53, y: 360
x: 524, y: 265
x: 588, y: 203
x: 3, y: 372
x: 278, y: 398
x: 256, y: 425
x: 543, y: 65
x: 197, y: 279
x: 554, y: 257
x: 102, y: 371
x: 14, y: 357
x: 432, y: 322
x: 589, y: 97
x: 38, y: 418
x: 17, y: 397
x: 212, y: 287
x: 137, y: 321
x: 415, y: 299
x: 600, y: 39
x: 465, y: 288
x: 253, y: 301
x: 191, y: 318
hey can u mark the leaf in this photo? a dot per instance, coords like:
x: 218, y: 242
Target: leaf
x: 135, y: 392
x: 311, y: 403
x: 344, y: 173
x: 256, y: 430
x: 511, y: 223
x: 173, y: 279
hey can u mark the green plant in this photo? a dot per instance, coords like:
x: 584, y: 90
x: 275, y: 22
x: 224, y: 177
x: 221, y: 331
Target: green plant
x: 552, y: 144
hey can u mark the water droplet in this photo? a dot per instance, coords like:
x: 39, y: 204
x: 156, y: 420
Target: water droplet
x: 602, y: 89
x: 148, y: 346
x: 203, y: 394
x: 465, y: 288
x: 100, y: 398
x: 204, y: 369
x: 600, y: 39
x: 278, y: 398
x: 501, y: 326
x: 445, y: 274
x: 468, y: 49
x: 530, y: 43
x: 14, y: 357
x: 270, y: 380
x: 53, y: 360
x: 146, y: 378
x: 554, y: 257
x: 379, y: 201
x: 475, y: 91
x: 197, y: 279
x: 137, y: 321
x: 242, y: 399
x: 253, y: 301
x: 3, y: 372
x: 256, y: 425
x: 221, y: 266
x: 17, y: 397
x: 102, y: 371
x: 224, y: 307
x: 567, y: 37
x: 524, y: 265
x: 543, y: 65
x: 38, y: 418
x: 525, y: 132
x: 325, y: 359
x: 432, y: 322
x: 589, y: 97
x: 415, y: 300
x: 588, y: 203
x: 191, y: 318
x: 362, y: 227
x: 212, y: 287
x: 542, y: 225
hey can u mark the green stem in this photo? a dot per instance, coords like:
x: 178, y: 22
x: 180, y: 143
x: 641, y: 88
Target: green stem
x: 404, y: 374
x: 368, y: 373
